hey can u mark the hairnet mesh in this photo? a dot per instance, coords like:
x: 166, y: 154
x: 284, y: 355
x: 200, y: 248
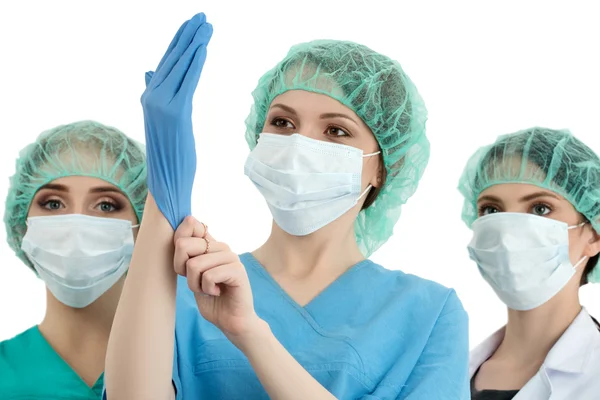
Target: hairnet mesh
x: 382, y: 95
x: 551, y: 159
x: 84, y: 148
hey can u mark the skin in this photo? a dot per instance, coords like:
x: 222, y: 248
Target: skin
x: 139, y: 361
x: 80, y: 336
x: 531, y: 334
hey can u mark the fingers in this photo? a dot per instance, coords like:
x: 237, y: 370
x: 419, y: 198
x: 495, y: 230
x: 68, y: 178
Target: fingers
x: 197, y: 266
x: 190, y: 81
x: 190, y: 227
x: 187, y: 35
x: 228, y: 274
x: 172, y: 44
x: 188, y: 249
x: 186, y: 72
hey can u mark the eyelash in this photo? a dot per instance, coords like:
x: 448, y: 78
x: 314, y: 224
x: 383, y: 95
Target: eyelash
x: 275, y: 120
x: 481, y: 210
x: 114, y: 204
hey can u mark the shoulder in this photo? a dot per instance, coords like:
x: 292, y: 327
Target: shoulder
x: 18, y: 344
x: 414, y: 290
x: 15, y: 360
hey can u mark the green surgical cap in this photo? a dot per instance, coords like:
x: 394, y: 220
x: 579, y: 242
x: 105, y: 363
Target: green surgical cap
x: 84, y: 148
x: 382, y: 95
x: 550, y: 159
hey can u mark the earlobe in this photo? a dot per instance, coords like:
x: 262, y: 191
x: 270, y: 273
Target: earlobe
x: 593, y: 247
x: 378, y: 178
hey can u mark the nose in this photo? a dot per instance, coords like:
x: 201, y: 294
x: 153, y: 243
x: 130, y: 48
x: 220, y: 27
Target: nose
x: 312, y: 132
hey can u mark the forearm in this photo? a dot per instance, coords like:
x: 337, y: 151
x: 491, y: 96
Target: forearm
x: 139, y: 358
x: 280, y: 374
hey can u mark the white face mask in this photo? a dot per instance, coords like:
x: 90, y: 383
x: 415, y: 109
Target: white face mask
x: 79, y: 257
x: 307, y: 183
x: 524, y: 257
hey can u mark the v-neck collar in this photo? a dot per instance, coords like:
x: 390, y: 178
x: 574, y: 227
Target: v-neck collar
x: 257, y: 266
x: 98, y: 385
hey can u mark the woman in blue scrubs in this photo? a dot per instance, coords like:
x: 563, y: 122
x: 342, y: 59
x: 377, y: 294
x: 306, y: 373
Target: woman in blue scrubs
x: 77, y: 192
x: 337, y: 133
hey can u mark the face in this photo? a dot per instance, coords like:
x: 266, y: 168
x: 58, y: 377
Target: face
x: 82, y: 195
x: 320, y: 117
x: 524, y: 198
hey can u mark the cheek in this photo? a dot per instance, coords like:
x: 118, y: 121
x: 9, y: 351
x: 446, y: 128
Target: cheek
x: 577, y: 245
x: 370, y: 168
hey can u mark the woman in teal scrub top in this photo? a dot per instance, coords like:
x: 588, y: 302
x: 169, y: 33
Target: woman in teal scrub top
x: 337, y: 133
x: 72, y: 207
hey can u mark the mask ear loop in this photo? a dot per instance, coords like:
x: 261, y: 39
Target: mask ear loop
x: 369, y: 187
x: 578, y: 264
x: 577, y: 226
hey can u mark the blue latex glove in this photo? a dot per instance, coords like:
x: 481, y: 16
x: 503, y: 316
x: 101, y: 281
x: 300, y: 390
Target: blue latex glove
x: 167, y: 105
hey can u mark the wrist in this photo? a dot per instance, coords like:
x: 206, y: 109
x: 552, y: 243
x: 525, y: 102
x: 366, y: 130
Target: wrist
x: 257, y: 333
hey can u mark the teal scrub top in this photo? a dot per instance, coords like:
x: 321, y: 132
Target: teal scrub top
x: 31, y: 369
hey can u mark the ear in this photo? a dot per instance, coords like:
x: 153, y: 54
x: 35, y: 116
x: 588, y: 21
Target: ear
x: 377, y: 180
x: 593, y: 246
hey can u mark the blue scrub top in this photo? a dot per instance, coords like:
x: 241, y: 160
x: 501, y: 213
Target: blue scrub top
x: 372, y: 334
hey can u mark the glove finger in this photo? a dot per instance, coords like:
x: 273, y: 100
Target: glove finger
x: 186, y: 73
x: 190, y: 81
x: 172, y: 44
x: 148, y: 77
x: 187, y: 36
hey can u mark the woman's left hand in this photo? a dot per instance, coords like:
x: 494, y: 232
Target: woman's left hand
x: 218, y: 279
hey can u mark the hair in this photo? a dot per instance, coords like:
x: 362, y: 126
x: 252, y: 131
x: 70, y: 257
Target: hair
x: 374, y: 192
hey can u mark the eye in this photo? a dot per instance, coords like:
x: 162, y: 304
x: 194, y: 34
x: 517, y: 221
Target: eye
x: 52, y: 204
x: 282, y: 123
x: 541, y: 209
x: 487, y: 210
x: 107, y: 206
x: 336, y: 131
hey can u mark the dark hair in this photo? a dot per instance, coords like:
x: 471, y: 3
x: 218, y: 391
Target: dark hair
x: 535, y: 145
x: 374, y: 192
x: 589, y: 265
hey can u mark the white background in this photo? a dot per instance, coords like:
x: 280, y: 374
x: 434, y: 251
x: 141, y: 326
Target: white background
x: 483, y: 68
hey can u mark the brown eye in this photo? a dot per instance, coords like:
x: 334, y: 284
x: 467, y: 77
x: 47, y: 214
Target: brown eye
x: 335, y: 131
x: 282, y: 123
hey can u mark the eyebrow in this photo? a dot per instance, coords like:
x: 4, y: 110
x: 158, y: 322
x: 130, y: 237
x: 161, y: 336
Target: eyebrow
x: 523, y: 199
x: 338, y: 115
x: 98, y: 189
x: 55, y: 186
x: 322, y: 116
x: 285, y: 108
x: 106, y: 189
x: 532, y: 196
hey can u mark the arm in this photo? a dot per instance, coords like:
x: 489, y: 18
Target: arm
x: 280, y: 374
x: 139, y: 363
x: 139, y: 357
x: 442, y: 370
x: 224, y: 297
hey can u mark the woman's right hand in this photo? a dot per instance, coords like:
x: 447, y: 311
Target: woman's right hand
x: 218, y: 279
x: 167, y: 105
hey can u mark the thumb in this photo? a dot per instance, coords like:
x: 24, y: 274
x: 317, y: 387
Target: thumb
x: 148, y: 77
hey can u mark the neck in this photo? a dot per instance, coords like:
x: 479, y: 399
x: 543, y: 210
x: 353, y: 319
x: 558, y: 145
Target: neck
x: 531, y: 334
x: 332, y: 248
x: 69, y: 330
